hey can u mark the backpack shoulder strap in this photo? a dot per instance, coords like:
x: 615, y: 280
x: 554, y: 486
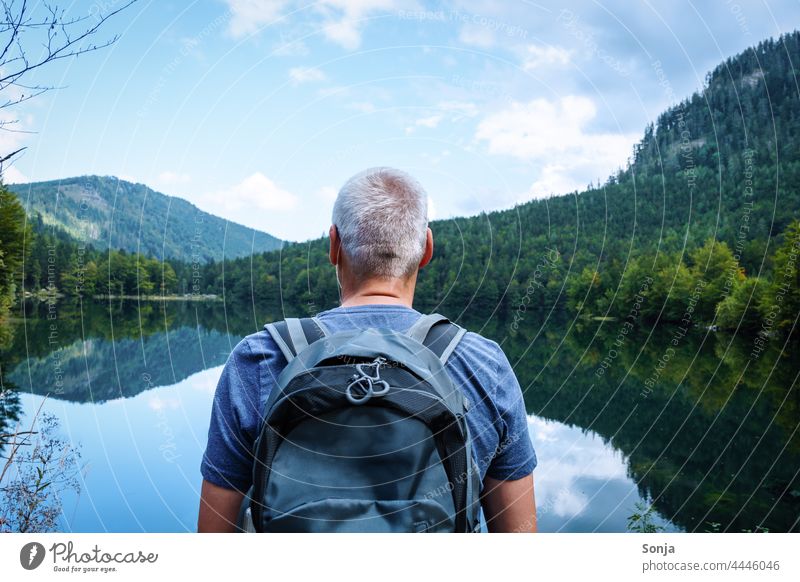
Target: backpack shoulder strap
x: 293, y: 335
x: 438, y: 334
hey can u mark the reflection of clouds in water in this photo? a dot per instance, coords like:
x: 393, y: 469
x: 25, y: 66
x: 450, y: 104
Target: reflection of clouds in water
x: 568, y: 503
x: 569, y: 459
x: 205, y: 381
x: 159, y: 403
x: 144, y: 452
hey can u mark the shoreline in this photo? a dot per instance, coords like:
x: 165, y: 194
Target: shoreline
x: 209, y: 297
x: 61, y: 296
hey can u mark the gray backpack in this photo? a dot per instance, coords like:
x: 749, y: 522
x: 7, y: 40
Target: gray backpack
x: 364, y: 432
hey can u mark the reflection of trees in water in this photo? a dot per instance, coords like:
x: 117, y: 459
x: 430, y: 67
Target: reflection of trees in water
x: 10, y: 406
x: 707, y: 442
x: 10, y: 410
x: 100, y: 351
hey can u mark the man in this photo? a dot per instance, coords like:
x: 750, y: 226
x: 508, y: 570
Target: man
x: 378, y: 242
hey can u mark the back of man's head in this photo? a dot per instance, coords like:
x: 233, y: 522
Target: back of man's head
x: 381, y: 215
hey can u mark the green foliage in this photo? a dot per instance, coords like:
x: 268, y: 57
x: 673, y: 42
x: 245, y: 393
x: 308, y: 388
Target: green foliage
x: 583, y: 290
x: 714, y: 264
x: 60, y: 264
x: 782, y: 298
x: 740, y: 308
x: 15, y: 241
x: 642, y: 519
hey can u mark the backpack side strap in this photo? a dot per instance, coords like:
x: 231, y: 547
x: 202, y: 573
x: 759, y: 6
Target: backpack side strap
x: 293, y: 335
x: 438, y: 334
x: 419, y: 331
x: 450, y: 339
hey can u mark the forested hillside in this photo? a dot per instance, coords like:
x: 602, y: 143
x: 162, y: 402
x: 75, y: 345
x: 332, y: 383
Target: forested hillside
x: 707, y: 202
x: 107, y: 212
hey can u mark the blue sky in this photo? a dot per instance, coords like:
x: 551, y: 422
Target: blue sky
x: 258, y: 110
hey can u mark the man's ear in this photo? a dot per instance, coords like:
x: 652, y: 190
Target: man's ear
x: 428, y: 254
x: 336, y: 245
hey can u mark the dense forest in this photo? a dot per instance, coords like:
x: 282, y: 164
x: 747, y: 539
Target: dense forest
x: 704, y: 216
x: 56, y: 264
x: 701, y: 227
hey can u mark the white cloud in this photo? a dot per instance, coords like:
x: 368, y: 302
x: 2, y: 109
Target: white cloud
x: 11, y: 175
x: 257, y: 202
x: 290, y: 45
x: 306, y: 75
x: 553, y: 179
x: 476, y: 35
x: 344, y: 32
x: 254, y: 193
x: 430, y: 122
x: 542, y: 56
x: 247, y: 16
x: 553, y: 135
x: 344, y: 19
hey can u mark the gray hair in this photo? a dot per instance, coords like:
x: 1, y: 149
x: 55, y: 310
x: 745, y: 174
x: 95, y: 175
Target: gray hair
x: 381, y: 215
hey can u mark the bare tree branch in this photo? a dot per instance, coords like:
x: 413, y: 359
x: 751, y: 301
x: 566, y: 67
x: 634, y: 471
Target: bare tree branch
x: 56, y: 35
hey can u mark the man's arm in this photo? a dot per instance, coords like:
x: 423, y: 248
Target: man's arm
x: 219, y: 509
x: 509, y: 506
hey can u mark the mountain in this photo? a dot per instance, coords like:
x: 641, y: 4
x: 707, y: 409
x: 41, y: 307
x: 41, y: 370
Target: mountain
x: 709, y: 196
x: 101, y: 347
x: 89, y: 370
x: 108, y: 212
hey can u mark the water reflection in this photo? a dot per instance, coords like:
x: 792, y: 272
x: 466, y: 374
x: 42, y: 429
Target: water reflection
x: 582, y: 484
x: 711, y: 446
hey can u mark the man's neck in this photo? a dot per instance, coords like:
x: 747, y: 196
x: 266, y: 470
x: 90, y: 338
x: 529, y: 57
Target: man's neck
x: 355, y: 300
x: 394, y: 292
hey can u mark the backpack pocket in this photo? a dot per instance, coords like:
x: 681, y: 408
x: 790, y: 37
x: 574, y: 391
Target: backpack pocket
x: 364, y: 515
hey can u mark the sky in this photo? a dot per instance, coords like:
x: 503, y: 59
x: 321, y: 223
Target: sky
x: 259, y: 110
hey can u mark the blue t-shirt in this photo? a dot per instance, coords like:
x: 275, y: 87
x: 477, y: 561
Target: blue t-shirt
x: 497, y: 420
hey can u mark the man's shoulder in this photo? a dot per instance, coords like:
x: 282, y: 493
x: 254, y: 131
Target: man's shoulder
x: 480, y: 358
x: 255, y: 348
x: 476, y: 345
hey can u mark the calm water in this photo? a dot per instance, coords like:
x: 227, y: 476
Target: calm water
x: 705, y: 432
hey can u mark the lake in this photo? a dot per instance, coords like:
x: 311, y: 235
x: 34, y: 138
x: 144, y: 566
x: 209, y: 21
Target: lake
x: 691, y: 423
